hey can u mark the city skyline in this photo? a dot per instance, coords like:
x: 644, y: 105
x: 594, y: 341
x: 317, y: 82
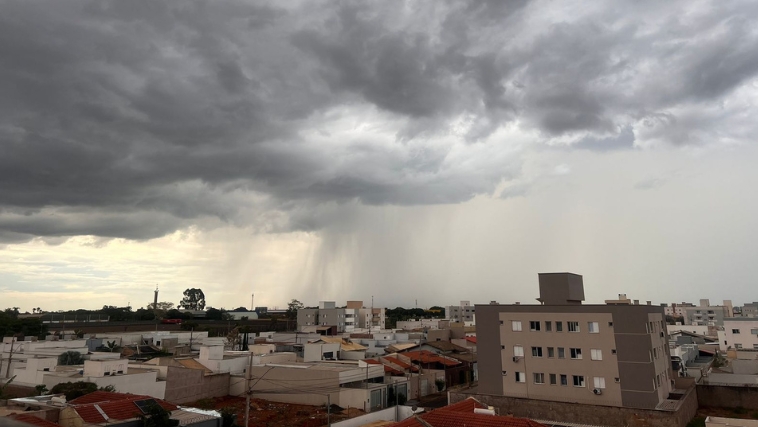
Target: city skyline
x: 329, y: 151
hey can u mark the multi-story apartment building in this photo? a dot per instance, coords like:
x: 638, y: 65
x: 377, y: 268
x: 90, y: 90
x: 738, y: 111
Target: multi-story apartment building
x: 464, y: 312
x: 327, y: 314
x: 676, y: 309
x: 750, y: 309
x: 346, y: 319
x: 707, y: 314
x: 368, y: 317
x: 740, y: 333
x: 562, y: 350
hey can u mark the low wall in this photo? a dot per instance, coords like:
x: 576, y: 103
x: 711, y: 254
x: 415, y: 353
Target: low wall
x: 396, y: 413
x: 586, y: 414
x: 727, y: 396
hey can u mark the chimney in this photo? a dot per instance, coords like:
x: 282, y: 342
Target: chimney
x: 155, y: 299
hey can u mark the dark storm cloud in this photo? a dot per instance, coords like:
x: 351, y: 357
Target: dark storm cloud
x: 133, y: 119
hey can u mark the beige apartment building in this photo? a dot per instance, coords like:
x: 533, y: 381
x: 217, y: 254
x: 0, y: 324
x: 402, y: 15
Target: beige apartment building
x: 562, y: 350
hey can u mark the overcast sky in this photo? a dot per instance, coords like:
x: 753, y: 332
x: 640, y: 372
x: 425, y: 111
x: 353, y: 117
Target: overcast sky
x: 420, y: 152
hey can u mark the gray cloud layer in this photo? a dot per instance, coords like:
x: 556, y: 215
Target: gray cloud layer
x: 133, y: 119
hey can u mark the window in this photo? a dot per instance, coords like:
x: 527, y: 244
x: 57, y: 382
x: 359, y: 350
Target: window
x: 536, y: 351
x: 655, y: 353
x: 534, y: 326
x: 735, y: 331
x: 738, y: 346
x: 505, y: 373
x: 520, y: 377
x: 564, y: 380
x: 617, y: 380
x: 558, y: 326
x: 518, y: 351
x: 561, y: 353
x: 593, y: 327
x: 576, y: 353
x: 502, y: 347
x: 550, y: 352
x: 501, y: 322
x: 548, y: 326
x: 516, y: 325
x: 754, y: 331
x: 573, y: 326
x: 578, y: 380
x: 755, y: 346
x: 553, y: 379
x: 539, y: 378
x: 613, y: 351
x: 610, y: 324
x: 598, y: 382
x: 596, y: 354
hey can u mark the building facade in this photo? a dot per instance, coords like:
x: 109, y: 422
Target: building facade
x: 612, y: 355
x: 464, y: 312
x: 740, y: 333
x: 707, y: 314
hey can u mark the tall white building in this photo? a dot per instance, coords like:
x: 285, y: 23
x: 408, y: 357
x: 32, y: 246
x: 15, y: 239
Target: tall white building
x: 464, y: 312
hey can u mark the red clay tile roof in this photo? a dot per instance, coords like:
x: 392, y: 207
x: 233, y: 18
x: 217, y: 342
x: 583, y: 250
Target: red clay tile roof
x: 389, y: 369
x: 103, y: 396
x: 462, y: 414
x: 471, y: 340
x: 400, y: 363
x: 424, y: 356
x: 31, y: 419
x: 123, y: 409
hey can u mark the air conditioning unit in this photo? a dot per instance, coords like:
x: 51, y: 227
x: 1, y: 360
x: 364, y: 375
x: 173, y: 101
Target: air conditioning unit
x: 597, y: 391
x: 516, y: 358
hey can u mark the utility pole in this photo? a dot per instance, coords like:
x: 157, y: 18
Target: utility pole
x: 10, y: 359
x: 248, y: 390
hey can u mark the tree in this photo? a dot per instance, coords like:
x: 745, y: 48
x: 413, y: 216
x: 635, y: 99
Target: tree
x: 70, y: 358
x: 292, y: 309
x: 160, y: 309
x: 75, y: 389
x: 213, y: 314
x: 156, y: 416
x: 194, y: 299
x: 228, y: 416
x: 40, y: 390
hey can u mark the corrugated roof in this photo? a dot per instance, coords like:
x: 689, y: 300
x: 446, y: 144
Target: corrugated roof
x: 194, y: 364
x: 446, y: 346
x: 345, y: 345
x: 424, y: 356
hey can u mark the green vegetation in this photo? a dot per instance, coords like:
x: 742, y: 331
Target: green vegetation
x: 72, y: 390
x: 11, y: 325
x: 70, y: 358
x: 40, y: 390
x: 697, y: 422
x: 228, y: 416
x: 156, y: 416
x: 194, y: 299
x: 292, y: 308
x: 394, y: 315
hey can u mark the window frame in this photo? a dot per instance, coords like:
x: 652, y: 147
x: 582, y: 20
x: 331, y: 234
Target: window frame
x: 516, y: 326
x: 580, y: 379
x: 575, y: 353
x: 573, y: 327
